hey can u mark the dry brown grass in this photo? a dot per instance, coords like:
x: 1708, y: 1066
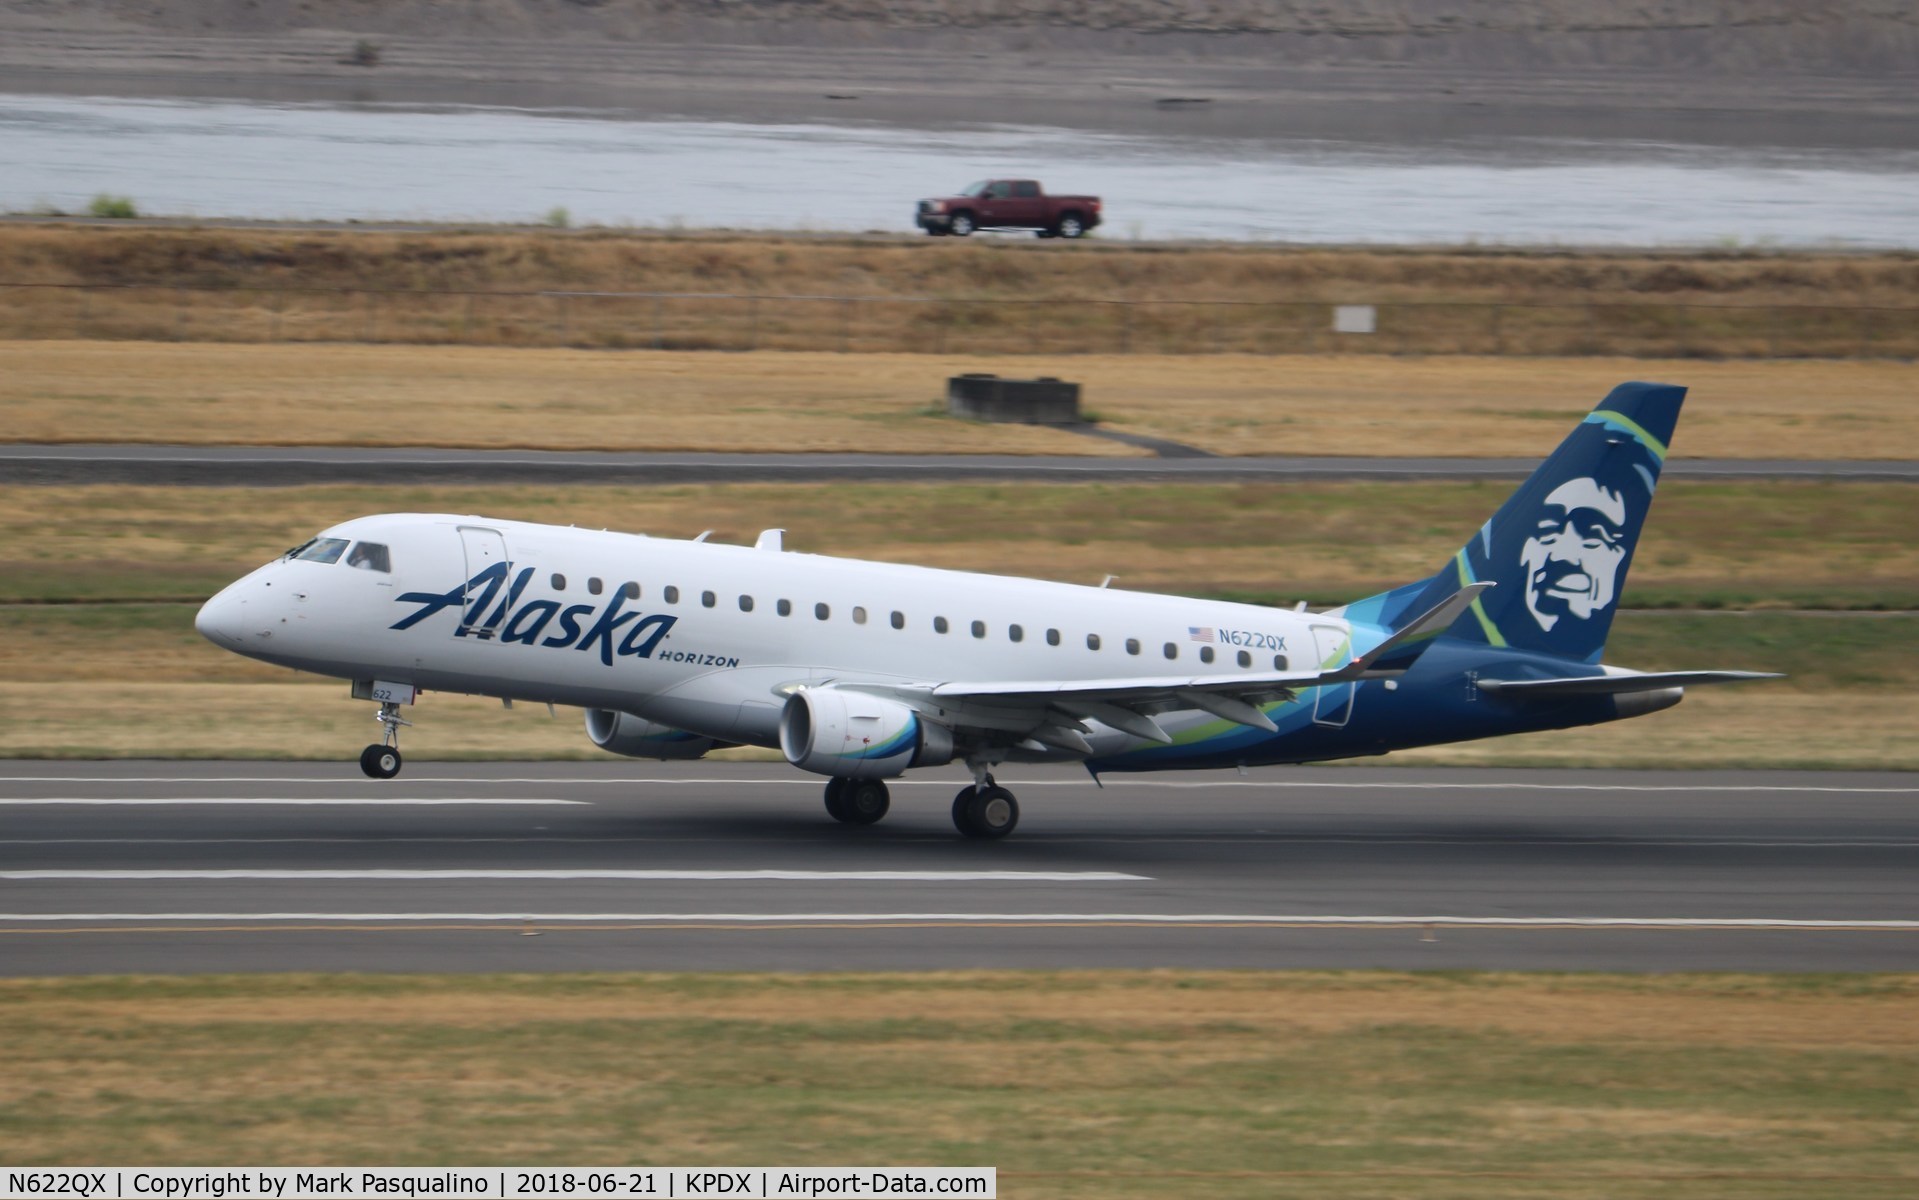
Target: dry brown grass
x: 92, y: 718
x: 1072, y: 1084
x: 889, y: 294
x: 1708, y: 544
x: 200, y: 393
x: 659, y: 262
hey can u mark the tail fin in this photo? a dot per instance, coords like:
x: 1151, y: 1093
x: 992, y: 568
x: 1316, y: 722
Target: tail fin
x: 1559, y: 548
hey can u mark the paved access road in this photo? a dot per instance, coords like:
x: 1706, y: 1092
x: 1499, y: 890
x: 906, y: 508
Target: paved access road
x: 183, y: 867
x: 255, y: 466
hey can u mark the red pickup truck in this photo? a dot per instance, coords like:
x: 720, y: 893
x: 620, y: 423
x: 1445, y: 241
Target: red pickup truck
x: 1009, y: 204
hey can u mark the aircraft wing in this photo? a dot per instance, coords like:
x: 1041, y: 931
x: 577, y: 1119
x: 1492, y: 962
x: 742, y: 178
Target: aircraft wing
x: 1051, y: 712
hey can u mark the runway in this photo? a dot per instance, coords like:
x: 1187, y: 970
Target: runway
x: 270, y: 466
x: 196, y: 867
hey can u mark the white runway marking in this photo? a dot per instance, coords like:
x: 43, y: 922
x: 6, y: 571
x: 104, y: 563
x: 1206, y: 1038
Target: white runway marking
x: 1309, y: 920
x: 589, y: 873
x: 298, y: 801
x: 1109, y: 781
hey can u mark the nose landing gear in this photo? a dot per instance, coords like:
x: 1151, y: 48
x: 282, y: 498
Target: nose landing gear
x: 382, y: 759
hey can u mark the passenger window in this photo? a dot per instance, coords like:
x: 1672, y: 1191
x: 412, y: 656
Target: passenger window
x: 322, y: 550
x: 1206, y: 654
x: 708, y: 599
x: 784, y: 608
x: 370, y: 556
x: 939, y: 625
x: 1172, y: 649
x: 1279, y: 662
x: 1245, y: 659
x: 859, y: 615
x: 1052, y: 637
x: 821, y: 612
x: 746, y: 604
x: 630, y: 590
x: 593, y: 585
x: 1132, y: 645
x: 672, y: 594
x: 899, y: 620
x: 559, y: 582
x: 979, y: 629
x: 1092, y: 641
x: 1026, y: 190
x: 1015, y: 633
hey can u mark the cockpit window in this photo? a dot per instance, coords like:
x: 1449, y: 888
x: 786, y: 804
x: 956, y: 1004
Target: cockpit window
x: 370, y: 556
x: 322, y: 550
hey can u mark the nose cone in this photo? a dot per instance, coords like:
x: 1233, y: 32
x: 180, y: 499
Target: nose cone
x: 219, y: 619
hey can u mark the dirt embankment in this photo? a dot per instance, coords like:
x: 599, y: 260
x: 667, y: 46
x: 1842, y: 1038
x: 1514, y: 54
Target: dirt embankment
x: 1718, y: 36
x: 1813, y: 73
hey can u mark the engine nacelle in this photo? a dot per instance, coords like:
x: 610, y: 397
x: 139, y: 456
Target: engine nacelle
x: 636, y: 737
x: 851, y: 735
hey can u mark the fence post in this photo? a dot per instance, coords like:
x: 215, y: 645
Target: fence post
x: 752, y: 322
x: 366, y: 328
x: 559, y: 318
x: 1125, y: 326
x: 85, y: 321
x: 470, y: 327
x: 179, y: 314
x: 846, y: 325
x: 659, y: 342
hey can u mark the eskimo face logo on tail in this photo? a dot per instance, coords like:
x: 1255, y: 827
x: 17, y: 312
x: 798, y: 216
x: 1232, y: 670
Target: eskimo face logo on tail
x: 1572, y: 557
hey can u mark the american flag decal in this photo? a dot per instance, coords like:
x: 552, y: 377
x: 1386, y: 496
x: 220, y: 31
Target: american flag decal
x: 1200, y: 633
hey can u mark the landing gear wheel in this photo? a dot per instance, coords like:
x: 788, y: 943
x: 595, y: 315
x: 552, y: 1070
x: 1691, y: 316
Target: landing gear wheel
x: 380, y: 762
x: 865, y: 801
x: 836, y: 800
x: 961, y: 225
x: 989, y: 812
x: 1070, y: 226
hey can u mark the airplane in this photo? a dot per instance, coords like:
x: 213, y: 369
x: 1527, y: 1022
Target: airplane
x: 859, y: 671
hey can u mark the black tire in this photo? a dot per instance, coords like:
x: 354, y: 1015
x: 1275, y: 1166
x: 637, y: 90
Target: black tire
x: 836, y: 800
x: 865, y: 801
x: 961, y: 225
x: 1071, y: 225
x: 1044, y: 233
x: 935, y: 231
x: 380, y: 762
x: 989, y: 813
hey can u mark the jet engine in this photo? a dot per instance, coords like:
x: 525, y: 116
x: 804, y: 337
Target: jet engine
x: 636, y: 737
x: 851, y: 735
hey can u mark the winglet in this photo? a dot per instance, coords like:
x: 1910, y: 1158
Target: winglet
x: 1410, y: 640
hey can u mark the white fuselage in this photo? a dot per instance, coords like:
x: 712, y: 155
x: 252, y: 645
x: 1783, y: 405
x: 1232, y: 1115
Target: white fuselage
x: 717, y: 636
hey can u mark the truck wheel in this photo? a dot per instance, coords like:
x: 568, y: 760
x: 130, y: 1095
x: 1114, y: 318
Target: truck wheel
x: 1070, y: 225
x: 962, y: 224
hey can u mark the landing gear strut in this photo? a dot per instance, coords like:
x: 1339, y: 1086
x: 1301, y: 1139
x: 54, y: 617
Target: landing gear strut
x: 857, y: 801
x: 985, y: 810
x: 382, y: 759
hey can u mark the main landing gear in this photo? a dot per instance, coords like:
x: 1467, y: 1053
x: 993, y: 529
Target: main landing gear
x: 857, y: 801
x: 382, y: 759
x: 985, y: 810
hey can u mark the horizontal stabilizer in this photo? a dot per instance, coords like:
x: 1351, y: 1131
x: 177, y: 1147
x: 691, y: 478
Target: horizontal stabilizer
x: 1614, y: 685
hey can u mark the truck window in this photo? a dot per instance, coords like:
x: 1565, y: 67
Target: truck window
x: 1026, y: 189
x: 975, y: 189
x: 1000, y: 191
